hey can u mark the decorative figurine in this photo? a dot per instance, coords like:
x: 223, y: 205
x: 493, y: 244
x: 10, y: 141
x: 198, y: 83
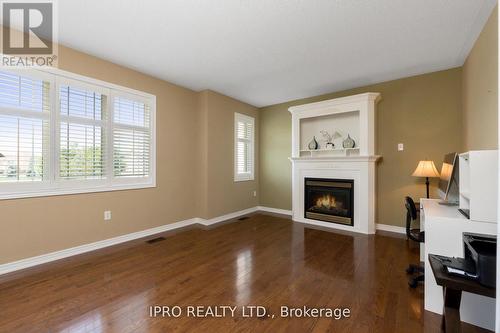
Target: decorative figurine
x: 313, y: 145
x: 328, y: 138
x: 348, y: 142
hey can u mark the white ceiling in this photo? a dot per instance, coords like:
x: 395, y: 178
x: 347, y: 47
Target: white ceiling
x: 269, y: 51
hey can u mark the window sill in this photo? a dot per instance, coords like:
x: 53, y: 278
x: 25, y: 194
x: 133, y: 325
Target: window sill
x: 244, y: 179
x: 72, y: 191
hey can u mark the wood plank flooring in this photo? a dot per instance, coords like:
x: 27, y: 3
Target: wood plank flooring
x: 264, y: 260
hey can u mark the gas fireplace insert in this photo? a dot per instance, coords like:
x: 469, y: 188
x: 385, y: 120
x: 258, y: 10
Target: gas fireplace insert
x: 329, y: 200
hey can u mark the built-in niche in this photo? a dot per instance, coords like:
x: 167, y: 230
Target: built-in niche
x: 338, y: 125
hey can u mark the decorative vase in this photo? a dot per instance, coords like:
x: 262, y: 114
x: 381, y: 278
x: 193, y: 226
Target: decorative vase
x: 348, y: 142
x: 313, y: 145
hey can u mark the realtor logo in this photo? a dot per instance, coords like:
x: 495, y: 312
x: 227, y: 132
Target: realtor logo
x: 28, y: 33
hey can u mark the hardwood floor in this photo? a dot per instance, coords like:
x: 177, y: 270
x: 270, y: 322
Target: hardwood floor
x: 264, y: 260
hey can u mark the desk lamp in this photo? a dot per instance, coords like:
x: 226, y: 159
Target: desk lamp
x: 426, y: 169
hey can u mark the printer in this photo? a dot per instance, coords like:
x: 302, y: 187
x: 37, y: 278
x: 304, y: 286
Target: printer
x: 480, y: 254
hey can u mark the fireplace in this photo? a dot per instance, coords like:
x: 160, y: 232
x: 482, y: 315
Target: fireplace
x: 329, y: 200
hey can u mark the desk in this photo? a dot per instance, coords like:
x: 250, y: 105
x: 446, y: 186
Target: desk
x: 444, y: 226
x: 452, y: 293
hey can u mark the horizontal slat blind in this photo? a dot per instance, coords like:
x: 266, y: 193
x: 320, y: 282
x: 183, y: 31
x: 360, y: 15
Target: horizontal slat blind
x: 23, y: 142
x: 130, y: 112
x: 24, y: 124
x: 244, y: 127
x: 131, y: 138
x: 82, y: 151
x: 82, y: 134
x: 131, y: 153
x: 244, y: 143
x: 24, y: 93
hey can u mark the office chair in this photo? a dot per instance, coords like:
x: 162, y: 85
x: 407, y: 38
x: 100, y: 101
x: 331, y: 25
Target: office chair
x: 415, y: 235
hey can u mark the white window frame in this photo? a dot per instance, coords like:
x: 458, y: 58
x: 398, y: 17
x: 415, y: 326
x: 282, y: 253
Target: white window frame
x: 55, y: 186
x: 247, y: 176
x: 145, y: 100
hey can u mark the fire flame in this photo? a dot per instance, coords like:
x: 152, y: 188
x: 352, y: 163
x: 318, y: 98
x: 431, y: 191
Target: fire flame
x: 326, y: 201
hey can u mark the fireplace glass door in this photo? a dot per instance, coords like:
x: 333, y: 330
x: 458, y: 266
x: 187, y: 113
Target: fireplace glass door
x: 329, y: 200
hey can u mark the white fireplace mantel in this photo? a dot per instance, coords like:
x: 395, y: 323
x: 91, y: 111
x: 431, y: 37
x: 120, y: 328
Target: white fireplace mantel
x: 353, y: 115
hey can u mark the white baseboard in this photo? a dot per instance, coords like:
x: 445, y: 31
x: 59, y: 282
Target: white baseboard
x: 384, y: 227
x: 275, y: 210
x: 227, y: 216
x: 391, y: 228
x: 53, y: 256
x: 57, y: 255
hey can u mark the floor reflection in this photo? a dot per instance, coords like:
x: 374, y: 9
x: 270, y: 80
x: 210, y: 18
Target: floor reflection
x: 322, y: 250
x: 243, y: 276
x: 128, y: 314
x: 91, y: 322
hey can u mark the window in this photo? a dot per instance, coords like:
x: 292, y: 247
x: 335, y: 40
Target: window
x: 24, y: 134
x: 61, y: 135
x: 243, y: 147
x: 82, y: 151
x: 131, y: 138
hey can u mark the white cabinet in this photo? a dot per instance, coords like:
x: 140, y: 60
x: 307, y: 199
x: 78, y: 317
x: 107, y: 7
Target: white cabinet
x: 444, y: 227
x: 478, y: 178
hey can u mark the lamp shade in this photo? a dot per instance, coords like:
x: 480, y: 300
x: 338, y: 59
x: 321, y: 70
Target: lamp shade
x: 426, y: 169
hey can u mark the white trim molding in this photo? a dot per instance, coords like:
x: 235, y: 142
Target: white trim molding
x: 226, y: 217
x: 274, y: 210
x: 391, y: 228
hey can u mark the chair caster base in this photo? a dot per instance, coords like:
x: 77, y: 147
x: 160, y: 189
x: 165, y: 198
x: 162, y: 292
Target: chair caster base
x: 413, y: 283
x: 411, y: 269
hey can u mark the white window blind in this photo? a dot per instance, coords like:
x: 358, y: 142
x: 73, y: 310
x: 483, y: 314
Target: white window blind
x: 243, y: 147
x: 131, y: 138
x: 62, y: 133
x: 24, y: 124
x: 82, y: 153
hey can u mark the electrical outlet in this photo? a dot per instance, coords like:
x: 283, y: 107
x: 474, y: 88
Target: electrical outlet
x: 107, y: 215
x: 401, y: 147
x: 254, y: 193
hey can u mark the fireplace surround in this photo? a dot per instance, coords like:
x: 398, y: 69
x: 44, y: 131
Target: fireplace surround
x: 351, y: 206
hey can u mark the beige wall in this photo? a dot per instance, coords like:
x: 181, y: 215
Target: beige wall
x: 40, y: 225
x: 480, y: 90
x: 223, y: 194
x: 422, y: 112
x: 36, y: 226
